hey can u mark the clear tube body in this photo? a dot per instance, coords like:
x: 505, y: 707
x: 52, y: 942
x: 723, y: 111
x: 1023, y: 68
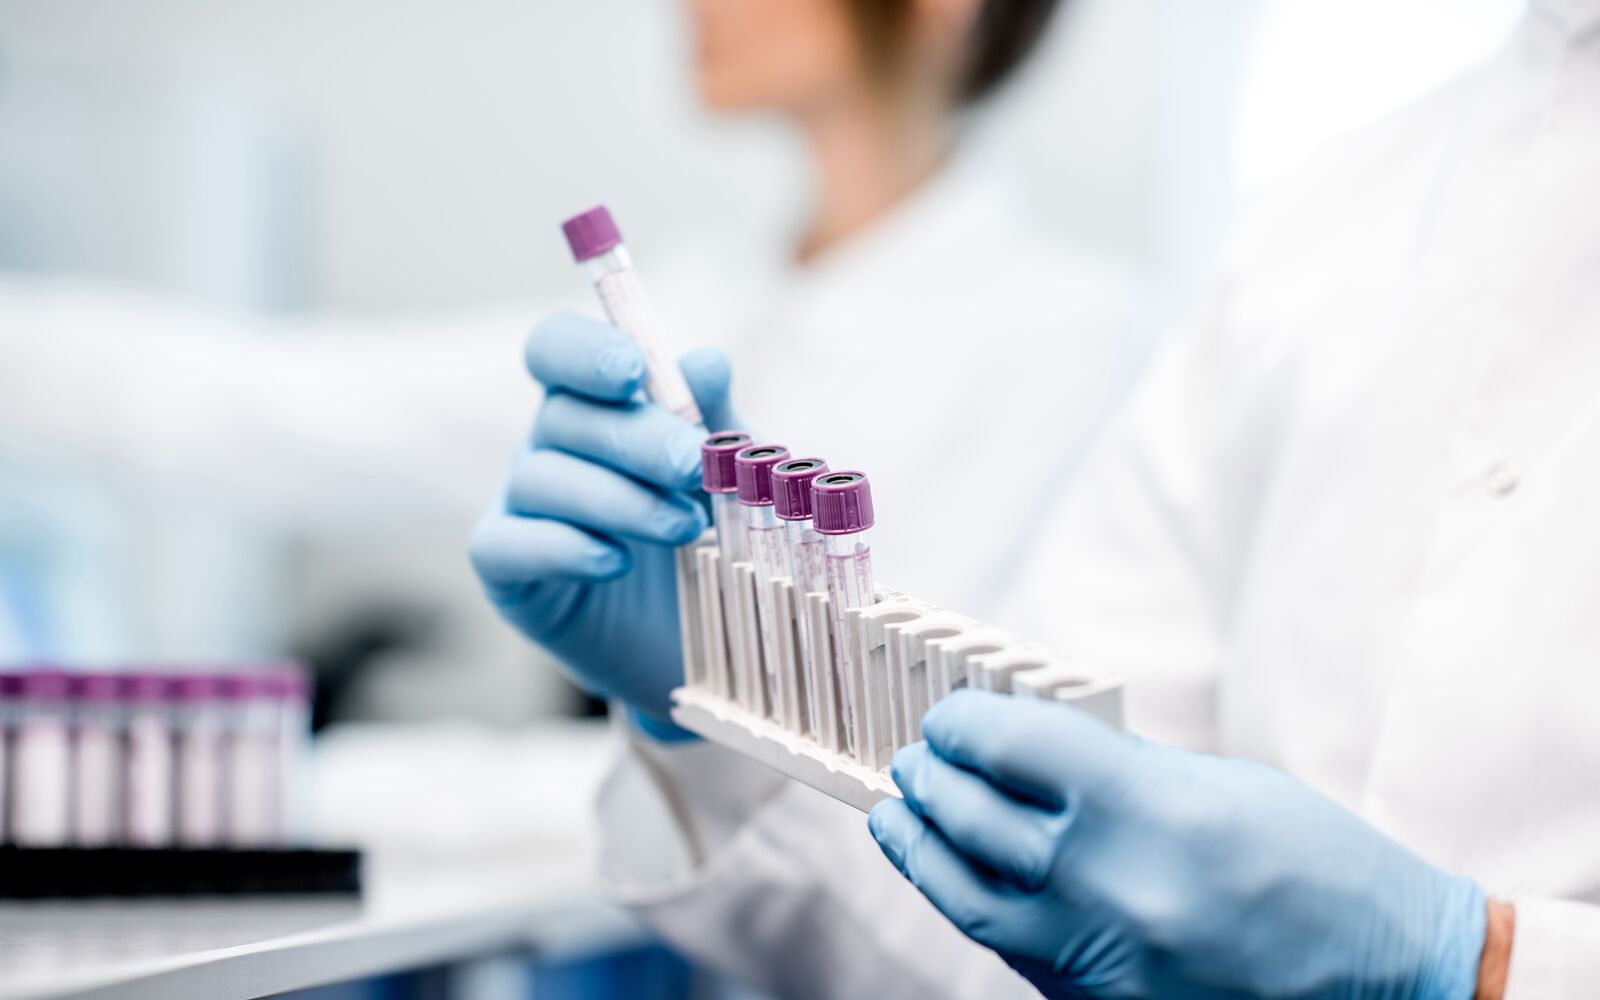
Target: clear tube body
x: 804, y: 564
x: 727, y: 515
x: 201, y: 740
x: 617, y: 284
x: 149, y: 782
x: 251, y: 781
x: 767, y: 543
x: 96, y: 755
x: 41, y: 773
x: 847, y: 561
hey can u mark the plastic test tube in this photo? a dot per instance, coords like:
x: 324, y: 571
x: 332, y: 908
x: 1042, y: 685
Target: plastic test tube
x: 767, y: 542
x: 719, y: 478
x: 597, y: 244
x: 803, y: 559
x: 251, y: 779
x: 41, y: 768
x: 148, y: 803
x: 10, y: 714
x: 200, y: 723
x: 96, y: 759
x: 842, y: 505
x: 291, y: 691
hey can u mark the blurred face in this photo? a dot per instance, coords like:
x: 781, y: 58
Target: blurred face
x: 789, y: 56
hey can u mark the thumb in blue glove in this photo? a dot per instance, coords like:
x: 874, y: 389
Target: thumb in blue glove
x: 1102, y: 866
x: 577, y: 552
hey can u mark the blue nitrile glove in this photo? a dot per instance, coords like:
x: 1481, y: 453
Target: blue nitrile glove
x: 577, y: 553
x: 1099, y: 865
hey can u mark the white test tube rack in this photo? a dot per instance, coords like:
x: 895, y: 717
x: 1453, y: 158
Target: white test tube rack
x: 908, y: 654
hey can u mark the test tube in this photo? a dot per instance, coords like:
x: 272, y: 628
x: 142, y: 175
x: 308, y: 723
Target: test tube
x: 597, y: 244
x: 96, y: 759
x: 251, y: 778
x: 200, y: 724
x: 753, y: 472
x: 41, y: 768
x: 842, y: 506
x: 719, y: 478
x: 10, y: 713
x: 148, y: 769
x: 803, y: 559
x: 291, y: 691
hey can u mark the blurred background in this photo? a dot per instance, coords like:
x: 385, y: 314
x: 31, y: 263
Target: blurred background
x: 254, y: 255
x: 230, y: 176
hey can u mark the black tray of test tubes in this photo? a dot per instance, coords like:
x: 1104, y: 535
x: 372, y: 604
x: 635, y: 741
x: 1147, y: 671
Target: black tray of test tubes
x: 129, y: 872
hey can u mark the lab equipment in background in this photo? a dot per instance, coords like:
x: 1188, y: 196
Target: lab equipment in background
x: 148, y: 759
x: 96, y: 755
x: 151, y: 758
x: 803, y: 564
x: 842, y: 515
x: 597, y: 244
x: 40, y: 760
x: 766, y: 542
x: 892, y: 657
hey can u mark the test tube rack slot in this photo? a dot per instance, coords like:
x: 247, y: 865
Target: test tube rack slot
x: 835, y: 726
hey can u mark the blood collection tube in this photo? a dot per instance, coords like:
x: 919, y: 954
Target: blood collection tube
x: 767, y: 542
x: 201, y: 731
x: 803, y: 559
x: 10, y: 713
x: 96, y: 759
x: 41, y: 767
x: 291, y: 692
x: 148, y: 810
x: 842, y: 506
x: 251, y: 777
x: 719, y: 477
x: 597, y: 244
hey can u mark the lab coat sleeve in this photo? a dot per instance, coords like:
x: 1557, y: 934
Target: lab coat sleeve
x: 1555, y: 952
x: 323, y: 423
x: 776, y: 884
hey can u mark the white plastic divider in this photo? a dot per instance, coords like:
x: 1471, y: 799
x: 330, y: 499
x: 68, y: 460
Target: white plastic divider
x: 907, y: 654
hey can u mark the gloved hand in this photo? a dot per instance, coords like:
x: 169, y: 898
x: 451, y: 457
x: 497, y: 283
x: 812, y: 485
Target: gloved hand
x: 1099, y: 865
x: 577, y: 553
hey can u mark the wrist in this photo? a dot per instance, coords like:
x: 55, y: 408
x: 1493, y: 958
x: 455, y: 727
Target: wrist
x: 1495, y: 961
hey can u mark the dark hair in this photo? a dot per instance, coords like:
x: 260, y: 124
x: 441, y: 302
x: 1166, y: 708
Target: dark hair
x: 1003, y: 33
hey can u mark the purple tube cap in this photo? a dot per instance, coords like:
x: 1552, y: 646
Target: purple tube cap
x: 717, y: 474
x: 96, y: 687
x: 591, y: 233
x: 842, y: 503
x: 146, y: 686
x: 243, y: 685
x: 192, y: 687
x: 752, y: 469
x: 43, y: 682
x: 791, y: 487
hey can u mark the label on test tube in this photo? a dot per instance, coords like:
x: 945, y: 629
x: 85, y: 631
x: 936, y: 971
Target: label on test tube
x: 149, y: 808
x: 41, y: 765
x: 842, y: 509
x: 803, y: 561
x: 200, y: 747
x: 597, y: 244
x: 96, y: 757
x: 767, y: 543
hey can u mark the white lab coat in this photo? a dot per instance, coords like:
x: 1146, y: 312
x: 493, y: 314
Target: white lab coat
x: 1347, y: 527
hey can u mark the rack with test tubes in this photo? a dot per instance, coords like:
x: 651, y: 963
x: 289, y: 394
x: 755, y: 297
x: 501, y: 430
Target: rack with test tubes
x: 795, y: 658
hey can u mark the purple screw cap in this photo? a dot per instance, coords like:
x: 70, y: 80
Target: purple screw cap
x: 45, y: 684
x: 791, y: 487
x: 146, y: 686
x: 842, y: 502
x: 193, y: 687
x: 753, y: 472
x: 716, y: 461
x: 591, y: 233
x: 93, y: 687
x: 10, y: 685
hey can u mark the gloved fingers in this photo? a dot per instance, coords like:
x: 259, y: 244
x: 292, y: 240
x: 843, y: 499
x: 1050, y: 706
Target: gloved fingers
x: 709, y: 375
x: 638, y: 440
x: 987, y: 913
x: 571, y: 353
x: 1014, y: 840
x: 1037, y: 749
x: 554, y: 484
x: 512, y: 553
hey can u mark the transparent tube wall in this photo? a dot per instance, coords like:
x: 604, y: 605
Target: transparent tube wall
x: 848, y: 568
x: 622, y: 295
x: 804, y: 564
x: 768, y: 545
x: 733, y: 539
